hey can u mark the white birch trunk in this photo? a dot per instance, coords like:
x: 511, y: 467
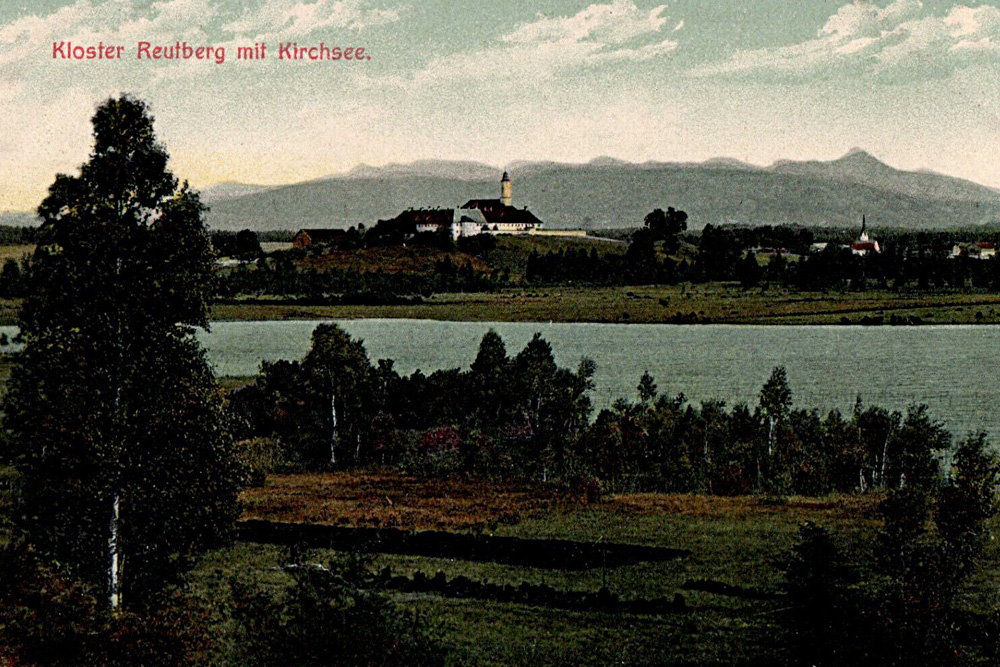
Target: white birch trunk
x: 115, y: 557
x: 770, y: 437
x: 333, y: 424
x: 114, y: 569
x: 885, y: 461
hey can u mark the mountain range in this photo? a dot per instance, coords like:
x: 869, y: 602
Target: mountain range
x: 607, y: 192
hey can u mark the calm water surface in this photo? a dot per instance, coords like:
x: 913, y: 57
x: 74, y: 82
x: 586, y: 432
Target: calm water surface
x: 953, y: 369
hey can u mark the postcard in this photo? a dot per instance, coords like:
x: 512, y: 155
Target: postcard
x: 565, y: 332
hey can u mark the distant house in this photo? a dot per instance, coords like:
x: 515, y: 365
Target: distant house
x: 455, y: 221
x: 978, y: 250
x: 476, y: 216
x: 307, y: 237
x: 864, y: 244
x: 762, y: 251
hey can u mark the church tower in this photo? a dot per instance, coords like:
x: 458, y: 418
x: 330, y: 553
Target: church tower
x: 505, y: 197
x: 864, y: 232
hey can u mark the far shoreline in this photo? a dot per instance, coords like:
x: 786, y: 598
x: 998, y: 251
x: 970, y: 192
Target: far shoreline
x: 711, y: 303
x: 690, y: 304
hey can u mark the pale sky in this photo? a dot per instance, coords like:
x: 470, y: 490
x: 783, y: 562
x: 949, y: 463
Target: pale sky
x: 917, y: 84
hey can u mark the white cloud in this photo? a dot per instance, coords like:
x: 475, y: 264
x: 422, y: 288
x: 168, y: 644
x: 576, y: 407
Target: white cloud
x: 615, y: 23
x: 898, y: 40
x: 28, y: 40
x: 286, y: 19
x: 602, y: 33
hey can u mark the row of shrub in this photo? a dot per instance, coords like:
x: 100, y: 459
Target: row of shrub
x: 524, y: 552
x: 537, y: 595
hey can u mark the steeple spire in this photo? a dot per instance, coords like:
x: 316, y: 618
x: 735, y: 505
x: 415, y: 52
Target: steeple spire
x: 505, y: 191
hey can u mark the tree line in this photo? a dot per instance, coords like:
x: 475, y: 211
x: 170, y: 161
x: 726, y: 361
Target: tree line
x: 908, y: 261
x: 655, y: 255
x: 904, y: 606
x: 522, y: 415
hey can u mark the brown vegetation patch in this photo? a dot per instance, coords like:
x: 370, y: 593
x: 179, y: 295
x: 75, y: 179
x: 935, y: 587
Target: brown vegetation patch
x: 397, y: 501
x: 17, y: 251
x: 389, y: 500
x: 748, y: 507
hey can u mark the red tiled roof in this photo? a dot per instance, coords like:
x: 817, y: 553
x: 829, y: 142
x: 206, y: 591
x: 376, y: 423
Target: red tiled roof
x: 430, y: 216
x: 494, y: 211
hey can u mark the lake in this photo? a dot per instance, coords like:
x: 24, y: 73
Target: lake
x: 953, y: 369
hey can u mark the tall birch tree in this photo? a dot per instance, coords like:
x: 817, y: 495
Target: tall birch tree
x: 115, y: 418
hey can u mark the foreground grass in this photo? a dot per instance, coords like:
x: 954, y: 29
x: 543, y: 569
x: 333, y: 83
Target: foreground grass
x: 740, y: 541
x: 719, y: 303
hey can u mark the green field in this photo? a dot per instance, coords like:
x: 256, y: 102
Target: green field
x: 739, y: 541
x: 717, y: 303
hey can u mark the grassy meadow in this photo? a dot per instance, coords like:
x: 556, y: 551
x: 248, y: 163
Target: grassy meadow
x: 716, y: 303
x: 741, y: 541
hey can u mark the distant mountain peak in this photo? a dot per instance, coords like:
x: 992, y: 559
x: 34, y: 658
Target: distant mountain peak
x: 606, y: 161
x: 457, y: 169
x: 860, y: 156
x: 230, y: 190
x: 720, y: 191
x: 728, y: 162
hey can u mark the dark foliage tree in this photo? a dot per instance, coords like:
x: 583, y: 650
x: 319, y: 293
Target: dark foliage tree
x: 489, y: 380
x: 819, y: 616
x: 13, y: 277
x: 967, y: 501
x: 775, y: 404
x: 641, y: 265
x: 667, y: 226
x: 934, y: 529
x: 113, y: 415
x: 49, y: 620
x: 247, y: 244
x: 328, y: 615
x: 748, y: 271
x: 646, y: 388
x: 345, y: 386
